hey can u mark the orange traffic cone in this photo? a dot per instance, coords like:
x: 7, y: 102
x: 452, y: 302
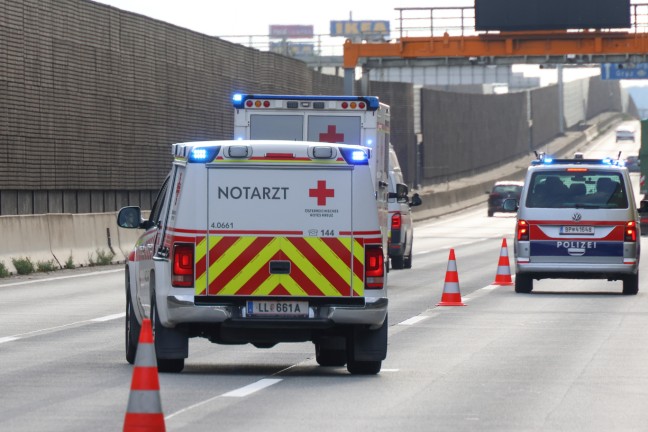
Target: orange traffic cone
x: 503, y: 276
x: 144, y: 412
x: 451, y: 295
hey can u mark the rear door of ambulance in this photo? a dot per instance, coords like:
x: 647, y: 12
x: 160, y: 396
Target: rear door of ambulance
x: 279, y: 233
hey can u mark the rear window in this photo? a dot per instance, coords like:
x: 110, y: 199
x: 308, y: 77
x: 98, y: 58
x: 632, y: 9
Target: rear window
x: 503, y: 189
x: 586, y: 189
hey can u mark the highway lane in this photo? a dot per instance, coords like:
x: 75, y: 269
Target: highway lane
x: 569, y: 356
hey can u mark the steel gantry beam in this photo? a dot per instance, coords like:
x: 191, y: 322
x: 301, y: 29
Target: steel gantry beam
x: 586, y: 47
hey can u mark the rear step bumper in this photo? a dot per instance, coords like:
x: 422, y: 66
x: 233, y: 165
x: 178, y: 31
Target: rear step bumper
x: 371, y: 311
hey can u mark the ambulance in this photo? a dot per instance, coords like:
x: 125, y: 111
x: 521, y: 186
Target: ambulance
x: 262, y: 242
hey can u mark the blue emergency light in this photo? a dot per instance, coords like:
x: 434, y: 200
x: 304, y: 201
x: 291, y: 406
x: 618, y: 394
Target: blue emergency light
x: 203, y: 154
x: 355, y: 156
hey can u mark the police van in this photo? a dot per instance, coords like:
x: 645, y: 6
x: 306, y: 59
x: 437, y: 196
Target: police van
x: 262, y: 242
x: 576, y: 219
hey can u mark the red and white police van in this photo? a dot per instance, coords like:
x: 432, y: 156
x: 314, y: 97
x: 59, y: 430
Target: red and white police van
x: 262, y: 242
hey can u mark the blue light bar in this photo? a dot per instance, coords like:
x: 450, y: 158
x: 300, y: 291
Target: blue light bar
x: 355, y: 156
x: 373, y: 102
x: 203, y: 154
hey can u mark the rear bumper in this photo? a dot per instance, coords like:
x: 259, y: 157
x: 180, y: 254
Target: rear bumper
x: 183, y: 309
x: 576, y: 271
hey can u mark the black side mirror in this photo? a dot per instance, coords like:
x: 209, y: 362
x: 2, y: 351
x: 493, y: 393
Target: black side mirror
x: 643, y: 206
x: 130, y: 217
x: 416, y: 200
x: 510, y: 204
x: 401, y: 192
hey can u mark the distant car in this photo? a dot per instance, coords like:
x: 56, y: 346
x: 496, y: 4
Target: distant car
x: 625, y: 133
x: 503, y: 190
x: 632, y: 163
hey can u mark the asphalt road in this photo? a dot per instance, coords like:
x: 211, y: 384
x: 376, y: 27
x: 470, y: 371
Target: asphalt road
x: 571, y: 356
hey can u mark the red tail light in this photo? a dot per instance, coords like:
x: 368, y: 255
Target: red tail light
x: 374, y: 268
x: 522, y: 230
x: 183, y: 265
x: 397, y: 220
x: 630, y: 232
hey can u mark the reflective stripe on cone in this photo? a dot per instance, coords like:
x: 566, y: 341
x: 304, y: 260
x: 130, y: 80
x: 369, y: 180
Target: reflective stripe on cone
x: 451, y: 293
x: 144, y: 412
x: 503, y: 275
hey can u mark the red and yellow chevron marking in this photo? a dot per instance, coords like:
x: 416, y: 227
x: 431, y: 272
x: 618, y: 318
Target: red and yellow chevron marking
x: 240, y: 266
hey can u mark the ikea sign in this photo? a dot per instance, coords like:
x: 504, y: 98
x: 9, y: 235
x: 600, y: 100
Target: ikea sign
x: 366, y: 30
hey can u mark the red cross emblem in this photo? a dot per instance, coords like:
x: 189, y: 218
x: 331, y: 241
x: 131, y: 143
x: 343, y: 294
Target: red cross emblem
x: 321, y: 193
x: 331, y: 135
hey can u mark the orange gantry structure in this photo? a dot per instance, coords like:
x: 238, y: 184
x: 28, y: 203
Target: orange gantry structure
x: 593, y: 46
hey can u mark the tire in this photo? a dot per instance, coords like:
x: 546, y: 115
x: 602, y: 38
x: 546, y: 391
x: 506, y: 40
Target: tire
x: 407, y: 263
x: 330, y: 357
x: 631, y: 284
x: 397, y: 262
x: 523, y: 283
x: 364, y: 367
x: 173, y: 365
x: 490, y: 213
x: 132, y: 326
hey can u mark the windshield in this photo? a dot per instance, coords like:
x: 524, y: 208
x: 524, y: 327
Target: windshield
x: 587, y: 189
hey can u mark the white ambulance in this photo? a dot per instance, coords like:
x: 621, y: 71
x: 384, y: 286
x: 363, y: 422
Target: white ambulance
x: 262, y: 242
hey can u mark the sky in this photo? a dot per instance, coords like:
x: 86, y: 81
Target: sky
x: 253, y: 17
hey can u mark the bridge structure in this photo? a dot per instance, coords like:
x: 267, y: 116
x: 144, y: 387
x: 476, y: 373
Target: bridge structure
x: 446, y: 36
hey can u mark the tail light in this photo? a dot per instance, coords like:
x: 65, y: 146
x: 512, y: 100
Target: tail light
x: 396, y: 221
x: 522, y: 230
x: 374, y: 268
x: 630, y: 232
x: 183, y: 265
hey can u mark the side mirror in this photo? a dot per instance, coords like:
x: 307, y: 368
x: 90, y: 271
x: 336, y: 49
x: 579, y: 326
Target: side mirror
x: 643, y: 207
x: 510, y: 204
x: 416, y: 200
x: 130, y: 217
x: 401, y: 192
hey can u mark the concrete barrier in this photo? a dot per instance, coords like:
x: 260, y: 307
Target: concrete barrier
x: 24, y: 237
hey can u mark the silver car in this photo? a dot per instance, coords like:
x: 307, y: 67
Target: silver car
x: 576, y: 219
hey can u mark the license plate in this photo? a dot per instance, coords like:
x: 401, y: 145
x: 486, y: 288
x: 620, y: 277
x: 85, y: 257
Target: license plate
x: 277, y: 308
x: 577, y: 229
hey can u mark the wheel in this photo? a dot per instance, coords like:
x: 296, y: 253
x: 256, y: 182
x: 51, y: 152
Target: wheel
x: 397, y: 262
x: 171, y: 365
x: 490, y: 213
x: 407, y: 263
x: 523, y: 283
x: 329, y: 357
x: 631, y: 284
x: 132, y: 327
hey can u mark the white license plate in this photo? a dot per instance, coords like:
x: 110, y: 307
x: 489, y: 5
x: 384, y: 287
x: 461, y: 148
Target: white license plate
x: 277, y: 308
x: 577, y: 229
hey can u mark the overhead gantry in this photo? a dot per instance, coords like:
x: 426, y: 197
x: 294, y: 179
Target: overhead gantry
x: 584, y: 47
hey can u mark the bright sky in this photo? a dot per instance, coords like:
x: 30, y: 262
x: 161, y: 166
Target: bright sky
x: 253, y: 17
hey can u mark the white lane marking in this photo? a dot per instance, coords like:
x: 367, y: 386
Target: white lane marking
x: 413, y: 320
x: 61, y: 327
x: 389, y: 370
x: 109, y: 317
x: 252, y: 388
x: 60, y: 278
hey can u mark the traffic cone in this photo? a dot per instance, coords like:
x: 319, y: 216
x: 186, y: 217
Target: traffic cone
x: 503, y: 276
x: 144, y: 412
x: 451, y: 295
